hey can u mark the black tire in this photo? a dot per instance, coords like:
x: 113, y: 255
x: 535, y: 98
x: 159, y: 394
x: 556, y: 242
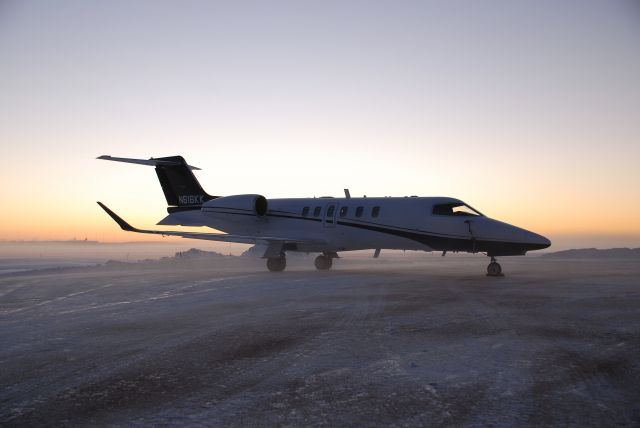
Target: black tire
x: 494, y: 269
x: 276, y: 264
x: 323, y: 262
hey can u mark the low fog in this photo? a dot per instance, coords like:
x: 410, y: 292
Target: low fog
x: 410, y: 339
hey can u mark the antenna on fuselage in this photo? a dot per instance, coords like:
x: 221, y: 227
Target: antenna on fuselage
x: 347, y: 194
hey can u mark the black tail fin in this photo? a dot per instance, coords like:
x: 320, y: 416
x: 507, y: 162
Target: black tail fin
x: 180, y: 186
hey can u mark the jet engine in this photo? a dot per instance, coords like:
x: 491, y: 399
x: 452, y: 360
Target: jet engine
x: 238, y: 204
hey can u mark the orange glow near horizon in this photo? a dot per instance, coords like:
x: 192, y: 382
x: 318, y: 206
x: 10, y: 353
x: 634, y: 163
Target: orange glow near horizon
x: 552, y: 203
x: 595, y: 197
x: 82, y: 220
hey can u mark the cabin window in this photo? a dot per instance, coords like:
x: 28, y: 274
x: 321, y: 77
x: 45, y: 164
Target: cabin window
x: 305, y: 211
x: 455, y: 209
x: 316, y: 211
x: 375, y: 211
x: 343, y: 211
x: 359, y: 211
x: 330, y: 210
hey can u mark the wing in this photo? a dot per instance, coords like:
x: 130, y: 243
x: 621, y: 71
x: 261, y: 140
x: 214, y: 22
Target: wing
x: 224, y: 237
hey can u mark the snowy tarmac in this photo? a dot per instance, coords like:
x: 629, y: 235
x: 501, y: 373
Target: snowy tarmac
x: 370, y: 343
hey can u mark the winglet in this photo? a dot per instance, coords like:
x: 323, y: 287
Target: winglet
x: 123, y: 224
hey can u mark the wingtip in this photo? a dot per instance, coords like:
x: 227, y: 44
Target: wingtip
x: 123, y: 224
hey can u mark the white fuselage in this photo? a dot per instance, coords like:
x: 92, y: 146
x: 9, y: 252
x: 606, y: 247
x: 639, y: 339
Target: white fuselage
x: 346, y: 224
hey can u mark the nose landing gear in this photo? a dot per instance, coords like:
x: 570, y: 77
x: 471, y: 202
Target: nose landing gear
x: 494, y: 268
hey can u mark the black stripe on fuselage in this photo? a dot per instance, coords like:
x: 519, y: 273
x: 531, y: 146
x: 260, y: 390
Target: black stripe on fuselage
x: 252, y: 214
x: 441, y: 243
x: 434, y: 240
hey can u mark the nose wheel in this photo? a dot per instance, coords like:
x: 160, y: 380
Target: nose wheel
x: 494, y: 268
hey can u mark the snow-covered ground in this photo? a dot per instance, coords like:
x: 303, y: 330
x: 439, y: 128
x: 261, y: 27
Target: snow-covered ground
x: 419, y: 341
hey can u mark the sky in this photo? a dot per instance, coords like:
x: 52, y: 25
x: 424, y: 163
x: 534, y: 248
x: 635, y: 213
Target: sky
x: 528, y: 111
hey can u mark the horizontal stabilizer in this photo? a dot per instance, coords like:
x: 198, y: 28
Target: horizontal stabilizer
x: 150, y: 162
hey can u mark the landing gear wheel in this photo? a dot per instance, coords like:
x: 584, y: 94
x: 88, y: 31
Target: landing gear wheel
x: 276, y: 264
x: 494, y: 269
x: 323, y: 262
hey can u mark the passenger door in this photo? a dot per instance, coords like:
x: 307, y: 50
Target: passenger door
x: 329, y: 219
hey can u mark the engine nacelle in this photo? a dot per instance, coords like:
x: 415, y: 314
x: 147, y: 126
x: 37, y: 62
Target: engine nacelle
x: 241, y: 204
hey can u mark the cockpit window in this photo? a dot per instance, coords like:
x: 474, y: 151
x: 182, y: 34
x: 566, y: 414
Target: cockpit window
x: 455, y: 209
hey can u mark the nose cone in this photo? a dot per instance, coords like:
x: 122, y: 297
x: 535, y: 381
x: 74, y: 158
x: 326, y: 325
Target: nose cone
x: 530, y: 241
x: 507, y: 239
x: 537, y: 242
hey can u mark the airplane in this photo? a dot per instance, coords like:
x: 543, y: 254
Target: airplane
x: 329, y: 225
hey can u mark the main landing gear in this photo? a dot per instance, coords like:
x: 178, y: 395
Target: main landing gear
x: 323, y: 262
x: 277, y: 264
x: 494, y: 268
